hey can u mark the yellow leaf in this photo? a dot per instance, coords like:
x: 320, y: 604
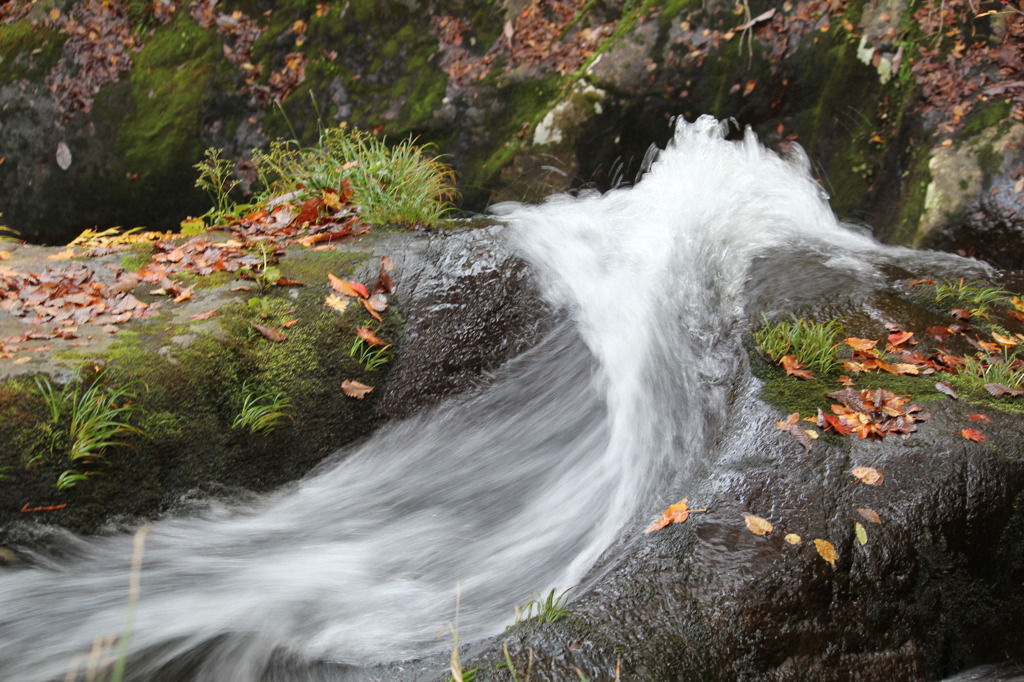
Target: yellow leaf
x: 1009, y: 342
x: 676, y: 513
x: 62, y: 255
x: 339, y: 303
x: 757, y: 525
x: 55, y: 14
x: 869, y: 475
x: 862, y: 533
x: 812, y: 433
x: 826, y: 551
x: 793, y: 538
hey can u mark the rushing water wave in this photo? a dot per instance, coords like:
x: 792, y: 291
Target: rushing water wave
x: 514, y: 490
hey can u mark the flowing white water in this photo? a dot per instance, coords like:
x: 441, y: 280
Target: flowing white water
x: 514, y: 491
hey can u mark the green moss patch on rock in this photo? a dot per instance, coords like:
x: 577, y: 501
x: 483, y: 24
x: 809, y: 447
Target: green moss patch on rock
x: 28, y: 51
x: 189, y: 379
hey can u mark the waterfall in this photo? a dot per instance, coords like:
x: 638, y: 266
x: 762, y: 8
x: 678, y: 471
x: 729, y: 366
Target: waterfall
x: 513, y: 490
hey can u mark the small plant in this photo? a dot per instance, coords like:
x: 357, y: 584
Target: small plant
x: 510, y: 666
x: 813, y: 343
x: 400, y: 185
x: 542, y: 609
x: 8, y: 234
x: 215, y: 179
x: 977, y: 297
x: 976, y: 372
x: 96, y: 419
x: 265, y: 274
x: 369, y: 356
x: 262, y: 413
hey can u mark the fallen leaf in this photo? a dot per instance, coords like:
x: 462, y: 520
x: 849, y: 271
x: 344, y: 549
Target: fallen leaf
x: 868, y: 475
x: 355, y: 389
x: 939, y: 332
x: 943, y: 387
x: 827, y: 551
x: 205, y: 316
x: 270, y: 333
x: 979, y: 418
x: 62, y: 255
x: 863, y: 345
x: 862, y: 533
x: 899, y: 338
x: 868, y: 514
x: 676, y: 513
x: 845, y: 380
x: 370, y: 309
x: 347, y: 288
x: 795, y: 368
x: 290, y: 323
x: 972, y: 434
x: 757, y: 525
x: 368, y: 335
x: 799, y: 435
x: 793, y: 538
x: 63, y: 155
x: 916, y: 282
x: 339, y: 303
x: 961, y: 313
x: 999, y: 390
x: 1003, y: 340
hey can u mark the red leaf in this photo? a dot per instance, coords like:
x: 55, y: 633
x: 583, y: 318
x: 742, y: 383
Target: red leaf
x: 205, y: 316
x: 972, y: 434
x: 979, y: 418
x: 310, y: 212
x: 900, y: 338
x: 939, y: 332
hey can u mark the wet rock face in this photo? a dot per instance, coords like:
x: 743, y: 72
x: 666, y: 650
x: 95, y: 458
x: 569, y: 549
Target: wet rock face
x: 469, y: 305
x: 992, y: 230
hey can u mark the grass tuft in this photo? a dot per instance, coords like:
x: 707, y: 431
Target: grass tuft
x: 262, y: 413
x: 813, y: 343
x: 977, y: 296
x: 96, y: 418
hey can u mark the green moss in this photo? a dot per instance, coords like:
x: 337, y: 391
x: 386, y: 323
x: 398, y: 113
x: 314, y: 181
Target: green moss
x: 985, y: 117
x: 915, y: 181
x: 789, y: 394
x: 990, y: 161
x: 18, y: 41
x: 138, y: 256
x: 309, y: 267
x: 169, y: 83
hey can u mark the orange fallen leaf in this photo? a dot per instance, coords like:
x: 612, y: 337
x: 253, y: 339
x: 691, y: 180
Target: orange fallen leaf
x: 979, y: 418
x: 868, y: 514
x: 676, y: 513
x: 347, y: 287
x: 869, y: 475
x: 972, y: 434
x: 795, y: 368
x: 52, y: 507
x: 355, y: 389
x: 1006, y: 341
x: 368, y: 335
x: 916, y: 282
x: 827, y: 551
x: 204, y: 316
x: 757, y: 525
x: 270, y: 333
x: 290, y: 323
x: 845, y: 380
x: 863, y: 345
x: 62, y: 255
x: 370, y: 309
x: 900, y: 338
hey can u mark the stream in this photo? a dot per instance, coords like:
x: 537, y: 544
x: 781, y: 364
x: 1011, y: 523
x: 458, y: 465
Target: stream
x: 513, y: 490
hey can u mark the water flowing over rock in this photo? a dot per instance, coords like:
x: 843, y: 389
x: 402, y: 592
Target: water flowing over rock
x: 640, y: 392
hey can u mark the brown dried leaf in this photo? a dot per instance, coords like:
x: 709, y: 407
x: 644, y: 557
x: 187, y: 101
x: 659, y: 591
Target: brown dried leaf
x: 270, y: 333
x: 943, y: 387
x: 368, y: 335
x: 757, y: 525
x: 869, y: 475
x: 868, y: 514
x: 355, y: 389
x: 999, y: 390
x: 827, y: 551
